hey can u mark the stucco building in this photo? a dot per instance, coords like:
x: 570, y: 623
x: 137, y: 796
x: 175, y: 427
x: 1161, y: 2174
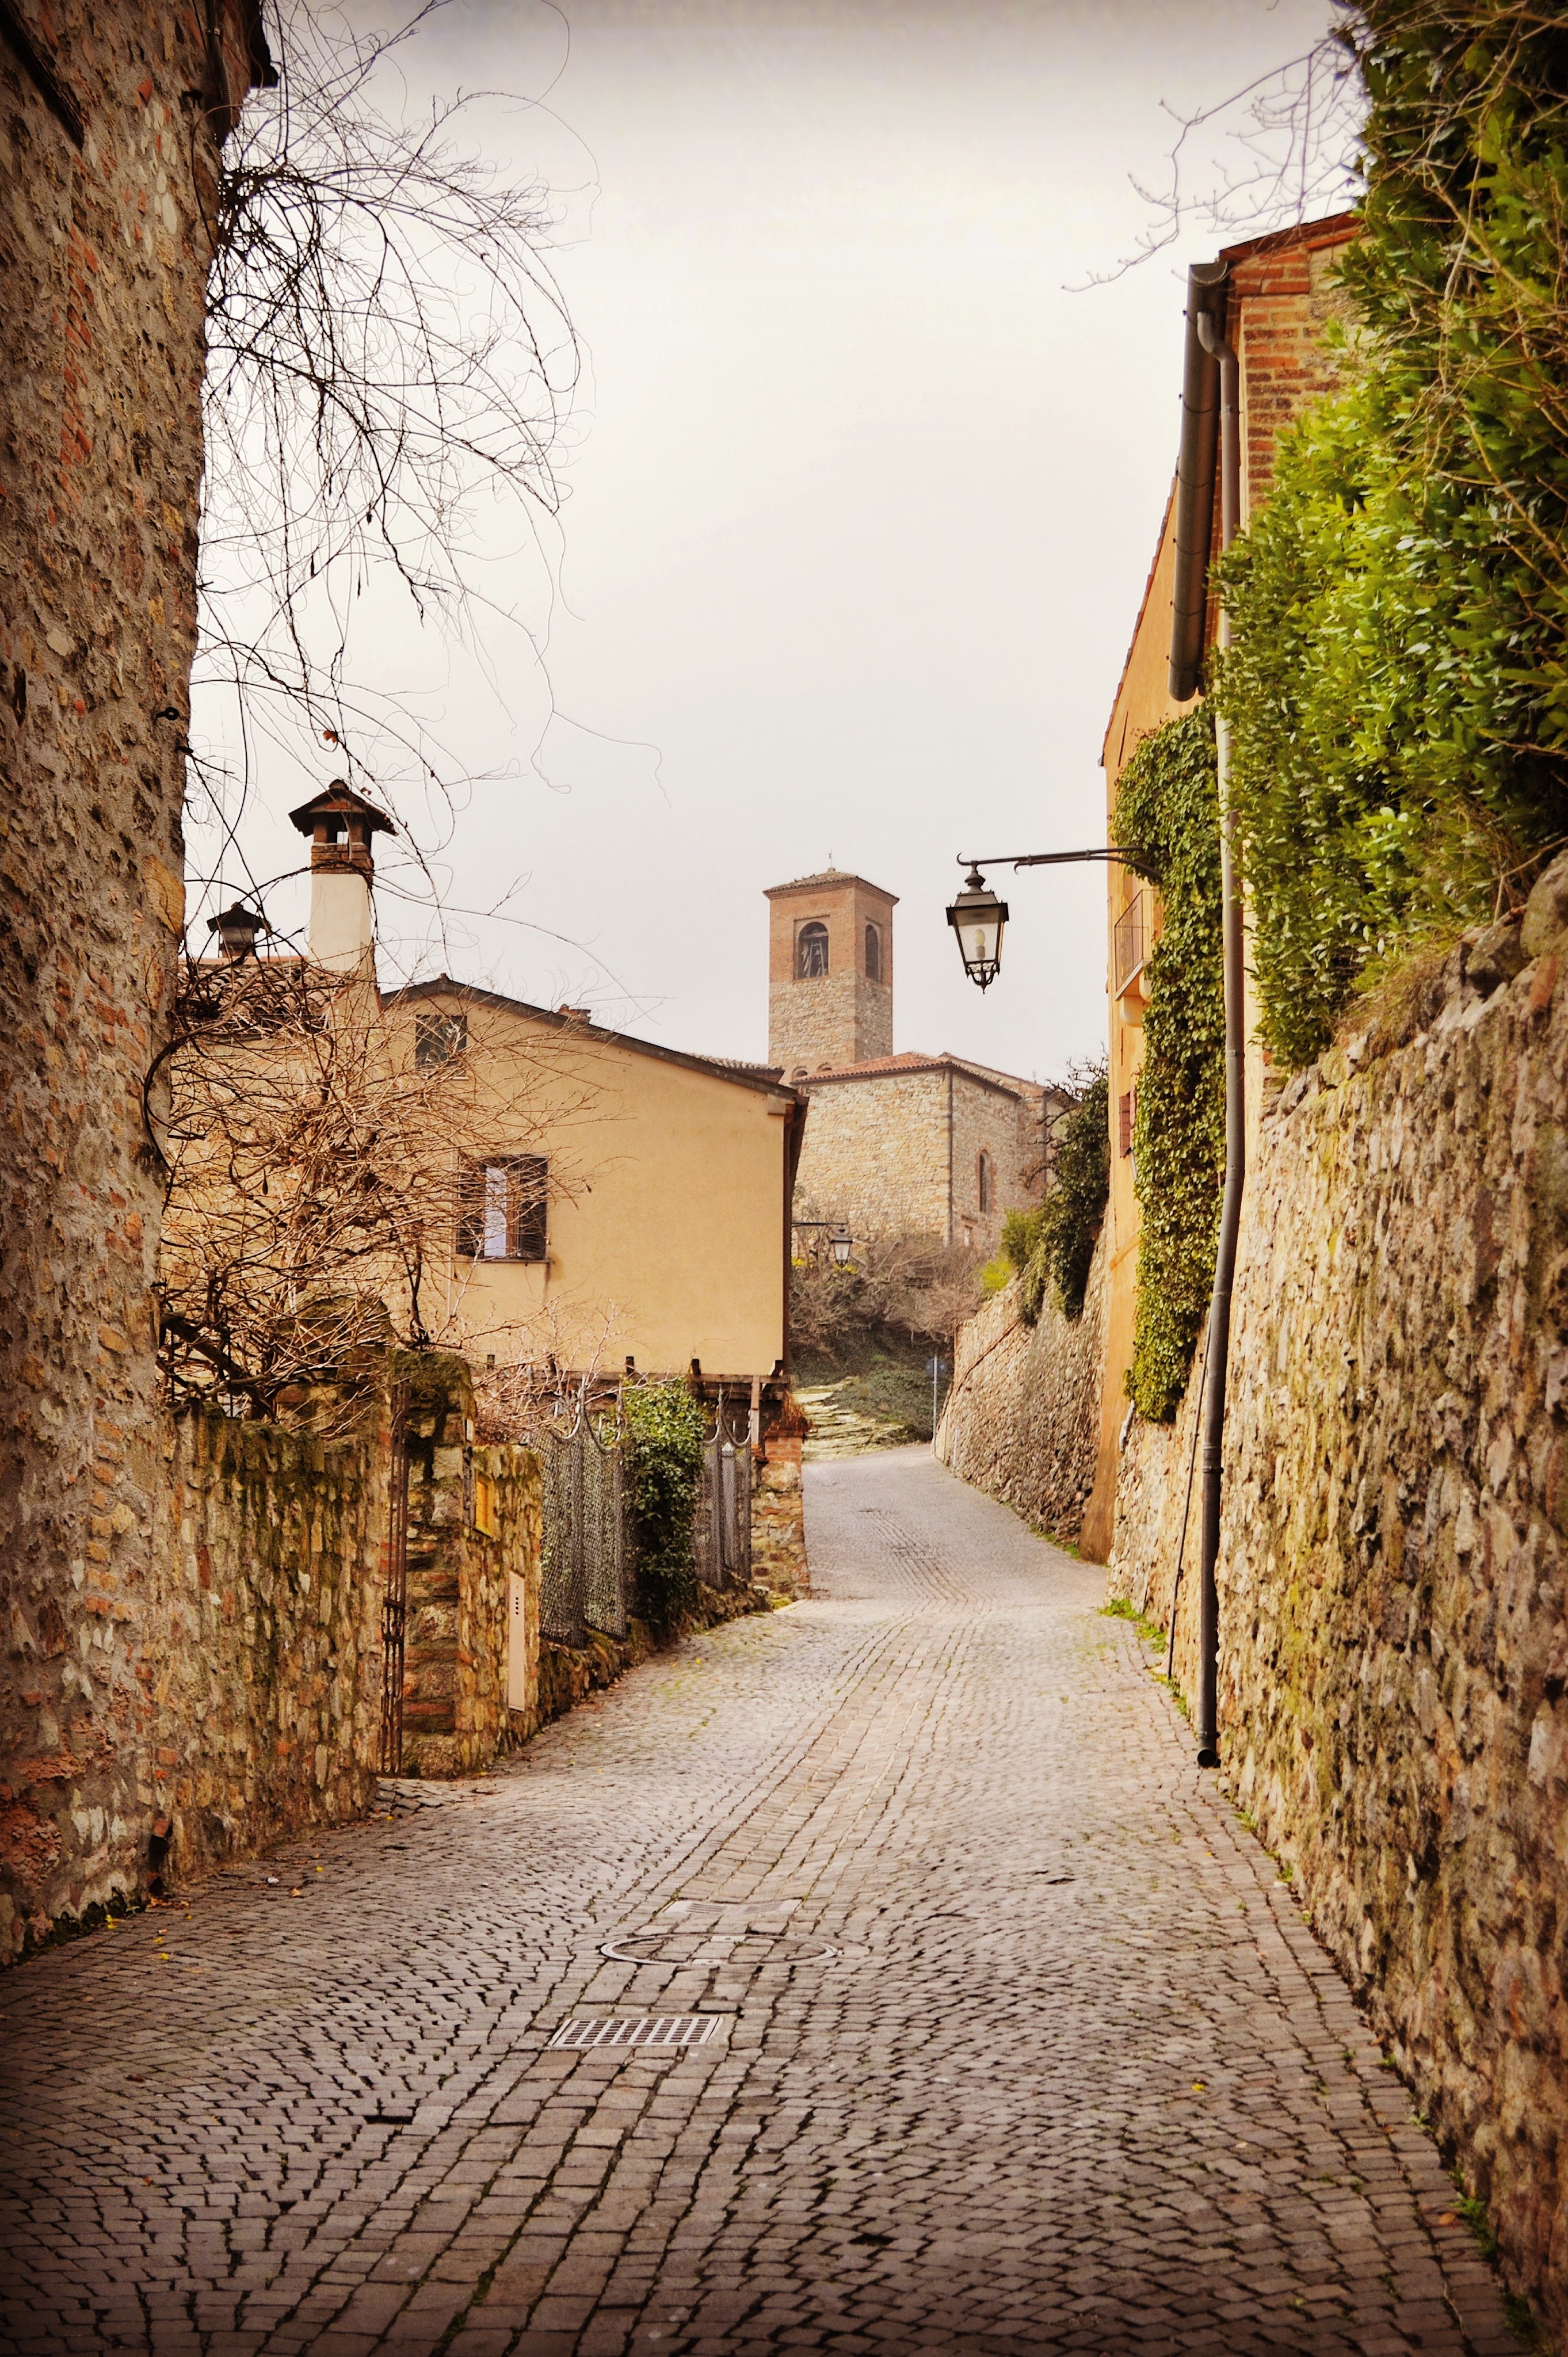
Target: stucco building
x: 929, y: 1145
x: 1278, y: 301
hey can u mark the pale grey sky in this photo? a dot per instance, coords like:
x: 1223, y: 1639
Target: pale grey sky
x: 859, y: 498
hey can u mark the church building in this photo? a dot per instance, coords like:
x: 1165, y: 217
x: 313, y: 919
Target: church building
x: 926, y: 1144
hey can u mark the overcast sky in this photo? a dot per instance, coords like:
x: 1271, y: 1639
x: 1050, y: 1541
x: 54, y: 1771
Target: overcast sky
x: 860, y: 494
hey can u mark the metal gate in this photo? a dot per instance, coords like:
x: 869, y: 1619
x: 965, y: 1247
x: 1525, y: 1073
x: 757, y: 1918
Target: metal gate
x: 723, y: 1509
x: 394, y: 1595
x: 586, y: 1567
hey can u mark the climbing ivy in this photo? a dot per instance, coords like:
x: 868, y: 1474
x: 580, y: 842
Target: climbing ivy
x: 665, y: 1425
x: 1398, y: 686
x: 1168, y: 802
x: 1054, y: 1245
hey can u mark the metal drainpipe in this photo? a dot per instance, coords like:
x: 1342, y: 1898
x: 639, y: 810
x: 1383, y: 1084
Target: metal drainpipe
x: 1214, y: 1387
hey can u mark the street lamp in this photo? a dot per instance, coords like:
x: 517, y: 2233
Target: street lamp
x: 841, y: 1243
x: 977, y: 916
x: 236, y: 928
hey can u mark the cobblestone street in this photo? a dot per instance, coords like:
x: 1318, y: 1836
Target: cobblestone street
x: 1018, y: 2044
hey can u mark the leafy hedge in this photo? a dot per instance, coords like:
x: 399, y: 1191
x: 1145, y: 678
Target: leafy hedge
x: 1168, y: 802
x: 666, y: 1467
x: 1054, y: 1245
x: 1398, y: 686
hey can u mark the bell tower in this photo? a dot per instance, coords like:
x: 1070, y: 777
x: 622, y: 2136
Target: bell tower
x: 830, y: 972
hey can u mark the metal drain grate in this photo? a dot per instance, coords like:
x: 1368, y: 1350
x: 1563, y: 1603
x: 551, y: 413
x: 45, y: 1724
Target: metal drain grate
x: 674, y: 2029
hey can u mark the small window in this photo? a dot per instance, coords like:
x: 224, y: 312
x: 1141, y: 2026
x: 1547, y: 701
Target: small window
x: 485, y: 1506
x: 1126, y: 1113
x: 503, y: 1215
x: 873, y: 954
x: 811, y: 951
x: 984, y: 1184
x: 438, y: 1037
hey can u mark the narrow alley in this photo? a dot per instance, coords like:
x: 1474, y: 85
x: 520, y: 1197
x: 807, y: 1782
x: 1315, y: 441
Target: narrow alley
x: 1000, y: 2033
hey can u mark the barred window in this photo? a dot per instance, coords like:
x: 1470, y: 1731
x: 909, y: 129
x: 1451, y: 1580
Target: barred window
x: 811, y: 951
x: 437, y: 1038
x: 504, y: 1204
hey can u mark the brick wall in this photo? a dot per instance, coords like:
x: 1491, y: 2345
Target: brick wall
x: 106, y: 162
x: 1284, y: 300
x: 831, y: 1018
x: 267, y: 1592
x: 844, y: 1017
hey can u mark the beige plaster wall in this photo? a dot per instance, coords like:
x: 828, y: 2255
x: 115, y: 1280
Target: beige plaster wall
x: 667, y: 1236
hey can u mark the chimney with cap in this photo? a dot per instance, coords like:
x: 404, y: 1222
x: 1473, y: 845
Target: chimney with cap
x: 340, y: 825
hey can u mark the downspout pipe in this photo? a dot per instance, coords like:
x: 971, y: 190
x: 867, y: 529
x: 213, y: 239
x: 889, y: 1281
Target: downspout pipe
x: 1194, y: 479
x: 1209, y: 333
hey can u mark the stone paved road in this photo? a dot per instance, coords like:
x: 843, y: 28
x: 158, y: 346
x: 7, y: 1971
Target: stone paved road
x: 1020, y: 2046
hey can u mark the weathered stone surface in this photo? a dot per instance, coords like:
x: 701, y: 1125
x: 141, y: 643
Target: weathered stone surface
x: 107, y: 158
x: 777, y: 1506
x: 267, y: 1593
x: 1394, y: 1650
x: 1022, y: 1418
x: 456, y: 1715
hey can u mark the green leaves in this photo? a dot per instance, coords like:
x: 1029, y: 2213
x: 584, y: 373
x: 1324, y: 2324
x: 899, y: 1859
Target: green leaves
x: 1054, y: 1245
x: 1397, y: 687
x: 1167, y: 800
x: 667, y: 1443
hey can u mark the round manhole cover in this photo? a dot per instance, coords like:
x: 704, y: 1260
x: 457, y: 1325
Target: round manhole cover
x: 715, y: 1948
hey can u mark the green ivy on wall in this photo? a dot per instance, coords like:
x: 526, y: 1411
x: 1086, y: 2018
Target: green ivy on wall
x: 1398, y: 686
x: 1054, y: 1245
x: 665, y: 1422
x: 1167, y: 803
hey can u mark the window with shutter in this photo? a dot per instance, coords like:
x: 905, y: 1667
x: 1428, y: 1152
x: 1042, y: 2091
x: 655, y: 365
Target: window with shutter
x: 504, y: 1208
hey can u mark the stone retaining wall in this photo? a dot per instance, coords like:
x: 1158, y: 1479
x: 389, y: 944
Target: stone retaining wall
x: 1021, y: 1417
x: 1395, y: 1647
x: 267, y: 1701
x: 473, y: 1592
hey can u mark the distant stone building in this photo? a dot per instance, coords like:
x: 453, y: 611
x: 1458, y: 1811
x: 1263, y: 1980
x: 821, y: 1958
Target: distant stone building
x: 830, y: 972
x: 931, y: 1145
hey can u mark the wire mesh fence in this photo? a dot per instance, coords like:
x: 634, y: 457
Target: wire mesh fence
x: 588, y: 1567
x: 584, y: 1573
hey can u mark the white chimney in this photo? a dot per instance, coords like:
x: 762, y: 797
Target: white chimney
x: 340, y: 825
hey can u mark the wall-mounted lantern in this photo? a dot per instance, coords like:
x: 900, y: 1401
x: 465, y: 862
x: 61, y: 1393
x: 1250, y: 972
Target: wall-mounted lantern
x: 977, y: 916
x: 841, y: 1243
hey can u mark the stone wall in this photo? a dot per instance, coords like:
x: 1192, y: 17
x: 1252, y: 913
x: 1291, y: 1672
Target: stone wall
x: 898, y: 1152
x: 473, y: 1596
x: 262, y: 1662
x: 109, y: 125
x: 828, y: 1019
x: 1021, y: 1415
x: 1395, y: 1646
x: 778, y: 1505
x: 268, y: 1589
